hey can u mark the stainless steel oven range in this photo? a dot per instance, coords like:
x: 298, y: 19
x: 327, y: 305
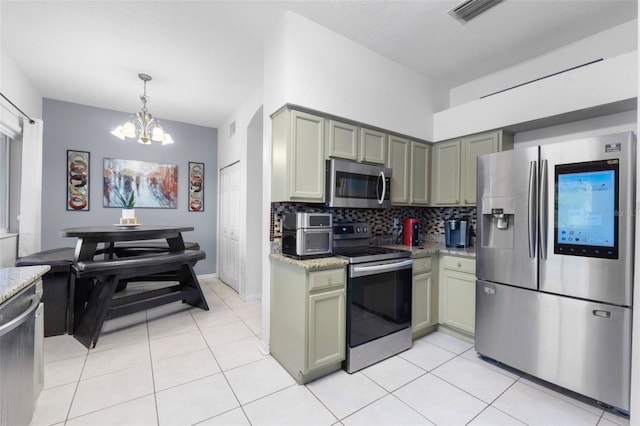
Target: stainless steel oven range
x: 378, y: 296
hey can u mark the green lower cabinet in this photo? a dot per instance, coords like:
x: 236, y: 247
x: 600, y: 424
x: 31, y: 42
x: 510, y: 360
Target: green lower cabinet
x: 308, y: 319
x: 326, y: 330
x: 458, y: 294
x: 424, y: 301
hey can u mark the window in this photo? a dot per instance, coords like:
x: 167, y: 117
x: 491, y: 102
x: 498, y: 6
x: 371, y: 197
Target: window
x: 10, y: 166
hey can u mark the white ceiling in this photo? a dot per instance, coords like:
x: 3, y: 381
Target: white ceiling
x: 205, y: 57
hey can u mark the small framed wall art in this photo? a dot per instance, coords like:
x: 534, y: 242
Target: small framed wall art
x: 77, y: 180
x: 196, y: 187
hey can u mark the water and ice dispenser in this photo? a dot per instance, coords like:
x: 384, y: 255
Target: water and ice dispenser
x: 498, y: 222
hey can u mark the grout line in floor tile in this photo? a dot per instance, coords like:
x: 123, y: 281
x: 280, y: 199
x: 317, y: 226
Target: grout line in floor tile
x: 153, y: 376
x: 104, y: 408
x: 75, y: 390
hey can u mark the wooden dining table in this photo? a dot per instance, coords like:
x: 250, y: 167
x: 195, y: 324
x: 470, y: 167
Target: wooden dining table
x: 89, y: 237
x: 94, y: 278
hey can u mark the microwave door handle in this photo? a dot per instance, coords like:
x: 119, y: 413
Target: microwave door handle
x: 384, y: 187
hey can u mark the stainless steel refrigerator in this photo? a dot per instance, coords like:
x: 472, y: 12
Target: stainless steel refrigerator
x: 555, y: 242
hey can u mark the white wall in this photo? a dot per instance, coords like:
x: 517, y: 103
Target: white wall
x: 606, y: 44
x: 608, y: 124
x: 607, y: 82
x: 319, y: 69
x: 15, y: 86
x: 241, y: 147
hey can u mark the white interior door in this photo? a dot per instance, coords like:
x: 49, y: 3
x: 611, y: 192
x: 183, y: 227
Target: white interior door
x: 230, y: 225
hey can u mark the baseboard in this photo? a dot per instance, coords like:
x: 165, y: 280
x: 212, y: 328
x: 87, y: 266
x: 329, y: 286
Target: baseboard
x: 460, y: 334
x: 263, y: 348
x: 206, y: 276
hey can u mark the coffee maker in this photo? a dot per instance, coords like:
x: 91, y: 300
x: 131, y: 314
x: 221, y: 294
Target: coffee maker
x: 457, y: 233
x: 411, y: 232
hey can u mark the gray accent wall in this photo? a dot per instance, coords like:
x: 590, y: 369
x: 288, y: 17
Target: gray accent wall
x: 80, y: 127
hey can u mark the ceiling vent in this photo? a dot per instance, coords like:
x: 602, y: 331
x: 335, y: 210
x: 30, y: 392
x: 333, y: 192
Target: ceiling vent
x: 469, y: 9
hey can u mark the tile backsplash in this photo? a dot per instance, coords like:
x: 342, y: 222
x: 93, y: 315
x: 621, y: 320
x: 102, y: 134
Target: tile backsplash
x: 381, y: 220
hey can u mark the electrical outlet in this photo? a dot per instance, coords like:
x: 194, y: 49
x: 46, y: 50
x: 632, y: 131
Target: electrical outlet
x: 396, y: 222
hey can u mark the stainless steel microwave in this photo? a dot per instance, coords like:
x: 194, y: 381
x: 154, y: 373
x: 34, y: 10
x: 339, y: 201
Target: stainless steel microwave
x: 357, y: 185
x: 307, y: 235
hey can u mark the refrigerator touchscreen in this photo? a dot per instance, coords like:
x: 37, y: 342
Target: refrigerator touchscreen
x: 586, y: 207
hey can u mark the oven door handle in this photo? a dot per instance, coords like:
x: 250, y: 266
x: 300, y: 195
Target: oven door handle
x: 359, y: 271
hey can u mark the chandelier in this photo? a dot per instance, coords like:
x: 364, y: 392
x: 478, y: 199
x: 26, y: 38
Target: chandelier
x: 143, y: 125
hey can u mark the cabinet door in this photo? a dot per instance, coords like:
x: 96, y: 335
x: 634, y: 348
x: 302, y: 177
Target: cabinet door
x: 342, y: 140
x: 326, y: 333
x: 422, y: 312
x: 306, y: 162
x: 398, y: 161
x: 373, y: 146
x: 471, y: 148
x: 445, y: 186
x: 419, y: 175
x: 458, y: 300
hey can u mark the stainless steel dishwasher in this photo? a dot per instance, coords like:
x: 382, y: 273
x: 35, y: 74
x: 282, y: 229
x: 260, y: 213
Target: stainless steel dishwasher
x: 17, y: 329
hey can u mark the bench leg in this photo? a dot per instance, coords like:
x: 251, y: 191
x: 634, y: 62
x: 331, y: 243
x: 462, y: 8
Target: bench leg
x: 79, y: 291
x: 90, y: 324
x: 190, y: 288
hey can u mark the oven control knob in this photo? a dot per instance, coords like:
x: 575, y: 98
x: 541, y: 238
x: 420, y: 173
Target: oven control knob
x: 358, y: 230
x: 364, y: 229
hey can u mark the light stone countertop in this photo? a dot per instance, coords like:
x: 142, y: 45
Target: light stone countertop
x: 431, y: 248
x: 424, y: 250
x: 311, y: 264
x: 12, y: 280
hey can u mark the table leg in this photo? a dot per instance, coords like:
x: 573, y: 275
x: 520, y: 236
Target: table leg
x: 190, y: 288
x: 90, y: 324
x: 176, y: 243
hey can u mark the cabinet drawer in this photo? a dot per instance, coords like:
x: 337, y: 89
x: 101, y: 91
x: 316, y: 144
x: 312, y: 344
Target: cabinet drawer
x: 421, y: 265
x: 459, y: 264
x: 326, y: 279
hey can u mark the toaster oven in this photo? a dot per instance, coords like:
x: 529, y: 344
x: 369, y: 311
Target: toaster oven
x: 307, y: 235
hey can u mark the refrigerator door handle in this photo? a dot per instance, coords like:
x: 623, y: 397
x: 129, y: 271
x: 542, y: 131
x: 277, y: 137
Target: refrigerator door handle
x: 533, y: 208
x: 544, y: 204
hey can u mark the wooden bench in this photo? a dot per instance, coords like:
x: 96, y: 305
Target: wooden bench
x: 139, y: 248
x: 107, y: 273
x: 55, y: 286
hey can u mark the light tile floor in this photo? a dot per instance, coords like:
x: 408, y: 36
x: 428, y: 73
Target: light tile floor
x: 175, y: 365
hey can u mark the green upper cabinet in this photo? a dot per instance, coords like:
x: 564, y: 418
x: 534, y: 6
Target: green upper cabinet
x: 351, y: 142
x: 297, y: 157
x: 398, y: 161
x: 342, y: 140
x: 419, y: 177
x: 454, y: 166
x: 445, y: 183
x: 373, y: 146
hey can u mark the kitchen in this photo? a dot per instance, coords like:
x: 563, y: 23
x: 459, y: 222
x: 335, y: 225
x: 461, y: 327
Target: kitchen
x: 383, y: 117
